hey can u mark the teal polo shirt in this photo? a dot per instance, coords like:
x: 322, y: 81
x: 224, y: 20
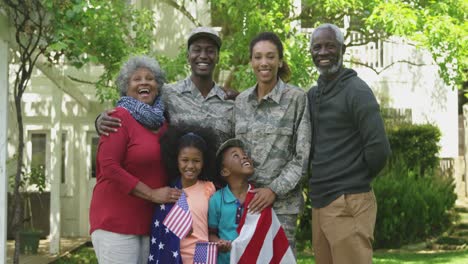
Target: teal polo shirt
x: 222, y: 214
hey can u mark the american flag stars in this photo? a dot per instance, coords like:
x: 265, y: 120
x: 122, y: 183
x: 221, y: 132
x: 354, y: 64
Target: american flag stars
x: 164, y: 245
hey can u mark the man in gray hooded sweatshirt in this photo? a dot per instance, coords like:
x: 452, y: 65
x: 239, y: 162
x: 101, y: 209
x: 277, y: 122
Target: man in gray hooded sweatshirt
x: 349, y: 148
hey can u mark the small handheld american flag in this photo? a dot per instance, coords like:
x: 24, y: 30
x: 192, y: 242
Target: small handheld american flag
x: 205, y: 253
x: 179, y: 219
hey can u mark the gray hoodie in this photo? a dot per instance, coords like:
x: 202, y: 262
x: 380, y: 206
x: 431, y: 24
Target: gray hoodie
x: 349, y: 144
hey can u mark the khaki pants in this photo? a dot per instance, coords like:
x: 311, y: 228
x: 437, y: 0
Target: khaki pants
x: 343, y: 231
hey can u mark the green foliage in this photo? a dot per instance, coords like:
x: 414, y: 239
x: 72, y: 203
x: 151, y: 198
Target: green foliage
x: 106, y: 32
x: 304, y: 223
x: 439, y: 26
x: 416, y: 145
x: 36, y: 177
x: 176, y: 68
x: 447, y: 257
x: 99, y: 32
x: 84, y: 255
x: 411, y: 208
x: 241, y: 21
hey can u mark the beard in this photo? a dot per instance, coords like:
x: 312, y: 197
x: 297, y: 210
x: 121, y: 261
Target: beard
x: 327, y: 71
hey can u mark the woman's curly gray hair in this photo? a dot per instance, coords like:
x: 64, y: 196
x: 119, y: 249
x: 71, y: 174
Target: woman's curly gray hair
x: 132, y: 65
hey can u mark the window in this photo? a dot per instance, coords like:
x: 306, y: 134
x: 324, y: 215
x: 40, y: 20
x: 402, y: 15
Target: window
x: 38, y: 151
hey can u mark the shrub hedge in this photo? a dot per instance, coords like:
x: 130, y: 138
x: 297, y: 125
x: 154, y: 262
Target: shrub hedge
x: 411, y: 208
x: 413, y: 203
x: 417, y: 145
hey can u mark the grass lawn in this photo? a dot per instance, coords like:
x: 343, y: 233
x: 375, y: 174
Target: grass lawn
x: 86, y: 256
x: 453, y: 257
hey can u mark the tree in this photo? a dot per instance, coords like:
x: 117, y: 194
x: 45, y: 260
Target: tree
x: 94, y: 31
x: 99, y: 32
x: 439, y: 26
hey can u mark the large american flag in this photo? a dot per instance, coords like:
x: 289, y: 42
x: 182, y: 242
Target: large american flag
x: 179, y: 219
x: 205, y: 253
x: 261, y: 239
x: 164, y: 245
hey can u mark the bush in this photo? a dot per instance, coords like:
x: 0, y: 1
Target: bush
x: 82, y: 255
x: 411, y: 208
x: 416, y: 145
x: 304, y: 223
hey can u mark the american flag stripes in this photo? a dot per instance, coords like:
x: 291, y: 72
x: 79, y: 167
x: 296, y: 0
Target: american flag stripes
x: 205, y: 253
x: 179, y: 219
x: 261, y: 239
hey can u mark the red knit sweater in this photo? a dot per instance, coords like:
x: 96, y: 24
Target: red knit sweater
x: 124, y: 158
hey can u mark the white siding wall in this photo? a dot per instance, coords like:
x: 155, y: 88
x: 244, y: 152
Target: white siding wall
x: 415, y: 85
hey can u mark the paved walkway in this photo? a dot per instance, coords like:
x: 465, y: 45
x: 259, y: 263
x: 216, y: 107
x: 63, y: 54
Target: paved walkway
x: 43, y: 256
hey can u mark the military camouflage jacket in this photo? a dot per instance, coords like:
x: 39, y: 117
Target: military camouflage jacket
x: 185, y: 103
x: 277, y: 133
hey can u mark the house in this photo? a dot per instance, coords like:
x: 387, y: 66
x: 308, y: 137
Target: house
x: 59, y: 114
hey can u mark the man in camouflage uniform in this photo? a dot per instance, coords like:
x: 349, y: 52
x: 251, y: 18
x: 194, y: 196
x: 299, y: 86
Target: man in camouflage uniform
x: 196, y: 100
x: 276, y: 131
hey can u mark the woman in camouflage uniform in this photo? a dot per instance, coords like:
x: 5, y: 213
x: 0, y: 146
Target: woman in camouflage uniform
x: 272, y: 119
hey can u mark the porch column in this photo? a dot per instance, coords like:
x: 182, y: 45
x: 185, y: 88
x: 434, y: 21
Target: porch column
x: 55, y: 171
x: 3, y: 148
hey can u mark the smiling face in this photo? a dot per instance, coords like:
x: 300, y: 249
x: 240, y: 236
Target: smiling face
x: 327, y: 52
x: 236, y: 162
x: 143, y: 86
x: 265, y: 62
x: 203, y: 57
x: 190, y: 163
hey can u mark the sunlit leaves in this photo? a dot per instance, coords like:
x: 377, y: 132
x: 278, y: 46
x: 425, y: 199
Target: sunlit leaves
x: 439, y: 26
x: 241, y: 21
x: 99, y: 32
x: 396, y: 17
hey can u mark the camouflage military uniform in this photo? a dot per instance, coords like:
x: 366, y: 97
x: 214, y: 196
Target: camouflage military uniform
x: 276, y: 131
x: 185, y: 103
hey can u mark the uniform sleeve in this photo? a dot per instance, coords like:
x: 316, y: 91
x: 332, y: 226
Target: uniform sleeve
x: 213, y: 211
x: 296, y: 168
x: 366, y: 115
x: 111, y: 155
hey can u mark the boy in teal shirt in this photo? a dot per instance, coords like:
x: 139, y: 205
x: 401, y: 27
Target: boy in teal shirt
x: 234, y: 168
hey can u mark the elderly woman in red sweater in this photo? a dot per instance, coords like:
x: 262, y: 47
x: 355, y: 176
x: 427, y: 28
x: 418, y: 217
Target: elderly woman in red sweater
x: 130, y: 173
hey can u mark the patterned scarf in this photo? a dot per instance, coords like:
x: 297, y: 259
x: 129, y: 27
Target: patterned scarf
x: 149, y: 116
